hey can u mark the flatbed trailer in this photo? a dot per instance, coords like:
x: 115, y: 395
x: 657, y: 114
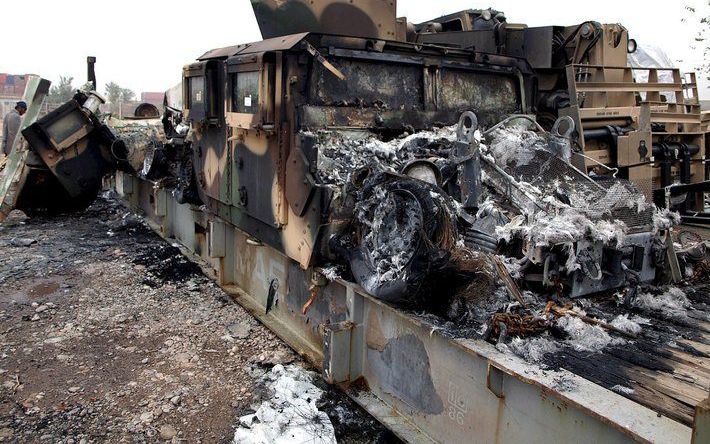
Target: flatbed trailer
x: 412, y: 375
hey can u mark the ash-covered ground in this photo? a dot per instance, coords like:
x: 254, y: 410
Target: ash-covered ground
x: 109, y: 334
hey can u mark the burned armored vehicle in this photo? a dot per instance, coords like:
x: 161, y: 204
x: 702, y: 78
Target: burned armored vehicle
x: 403, y: 164
x: 311, y: 143
x: 255, y: 111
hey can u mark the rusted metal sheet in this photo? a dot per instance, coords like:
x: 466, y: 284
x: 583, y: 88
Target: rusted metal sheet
x: 422, y: 384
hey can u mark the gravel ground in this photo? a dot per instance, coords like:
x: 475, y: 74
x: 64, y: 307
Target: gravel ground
x: 108, y: 333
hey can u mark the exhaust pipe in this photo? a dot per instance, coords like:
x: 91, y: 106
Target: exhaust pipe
x: 90, y: 72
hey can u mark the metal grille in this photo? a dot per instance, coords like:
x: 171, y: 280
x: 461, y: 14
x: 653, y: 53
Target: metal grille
x: 550, y: 173
x: 603, y: 200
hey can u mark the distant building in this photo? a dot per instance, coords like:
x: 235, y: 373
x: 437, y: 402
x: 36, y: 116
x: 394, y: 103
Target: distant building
x: 137, y: 107
x: 13, y: 85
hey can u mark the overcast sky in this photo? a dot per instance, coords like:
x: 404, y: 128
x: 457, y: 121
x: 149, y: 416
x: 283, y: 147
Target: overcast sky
x: 143, y: 44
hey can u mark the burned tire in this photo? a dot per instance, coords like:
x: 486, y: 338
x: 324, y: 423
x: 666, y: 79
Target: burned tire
x: 398, y: 220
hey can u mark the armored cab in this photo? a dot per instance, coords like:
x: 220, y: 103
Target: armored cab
x: 252, y: 108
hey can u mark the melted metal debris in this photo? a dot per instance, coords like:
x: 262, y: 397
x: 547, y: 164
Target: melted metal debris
x: 341, y: 153
x: 570, y: 208
x: 291, y: 415
x: 562, y: 226
x: 514, y: 145
x: 623, y: 323
x: 332, y: 273
x: 532, y: 350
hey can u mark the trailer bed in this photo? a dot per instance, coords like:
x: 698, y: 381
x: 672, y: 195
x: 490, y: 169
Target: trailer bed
x: 666, y: 368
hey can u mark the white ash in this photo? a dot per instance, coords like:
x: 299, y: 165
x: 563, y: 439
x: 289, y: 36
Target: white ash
x: 616, y: 197
x: 589, y: 211
x: 340, y: 152
x: 290, y: 415
x: 673, y: 304
x: 512, y: 265
x: 514, y: 145
x: 333, y: 272
x: 566, y: 227
x: 425, y: 137
x: 664, y: 219
x: 623, y: 323
x: 571, y: 264
x: 640, y: 320
x: 585, y: 337
x: 490, y: 302
x: 623, y: 390
x: 533, y: 349
x: 487, y: 207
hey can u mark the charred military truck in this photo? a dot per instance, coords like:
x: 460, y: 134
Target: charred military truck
x: 258, y: 114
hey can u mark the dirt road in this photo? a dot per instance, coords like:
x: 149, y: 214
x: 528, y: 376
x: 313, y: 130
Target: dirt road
x: 108, y: 333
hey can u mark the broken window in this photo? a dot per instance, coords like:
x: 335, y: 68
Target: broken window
x: 197, y: 90
x: 387, y: 85
x: 245, y: 92
x: 65, y: 127
x: 452, y: 25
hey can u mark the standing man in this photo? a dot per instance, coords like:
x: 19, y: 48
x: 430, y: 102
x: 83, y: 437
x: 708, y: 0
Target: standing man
x: 11, y: 125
